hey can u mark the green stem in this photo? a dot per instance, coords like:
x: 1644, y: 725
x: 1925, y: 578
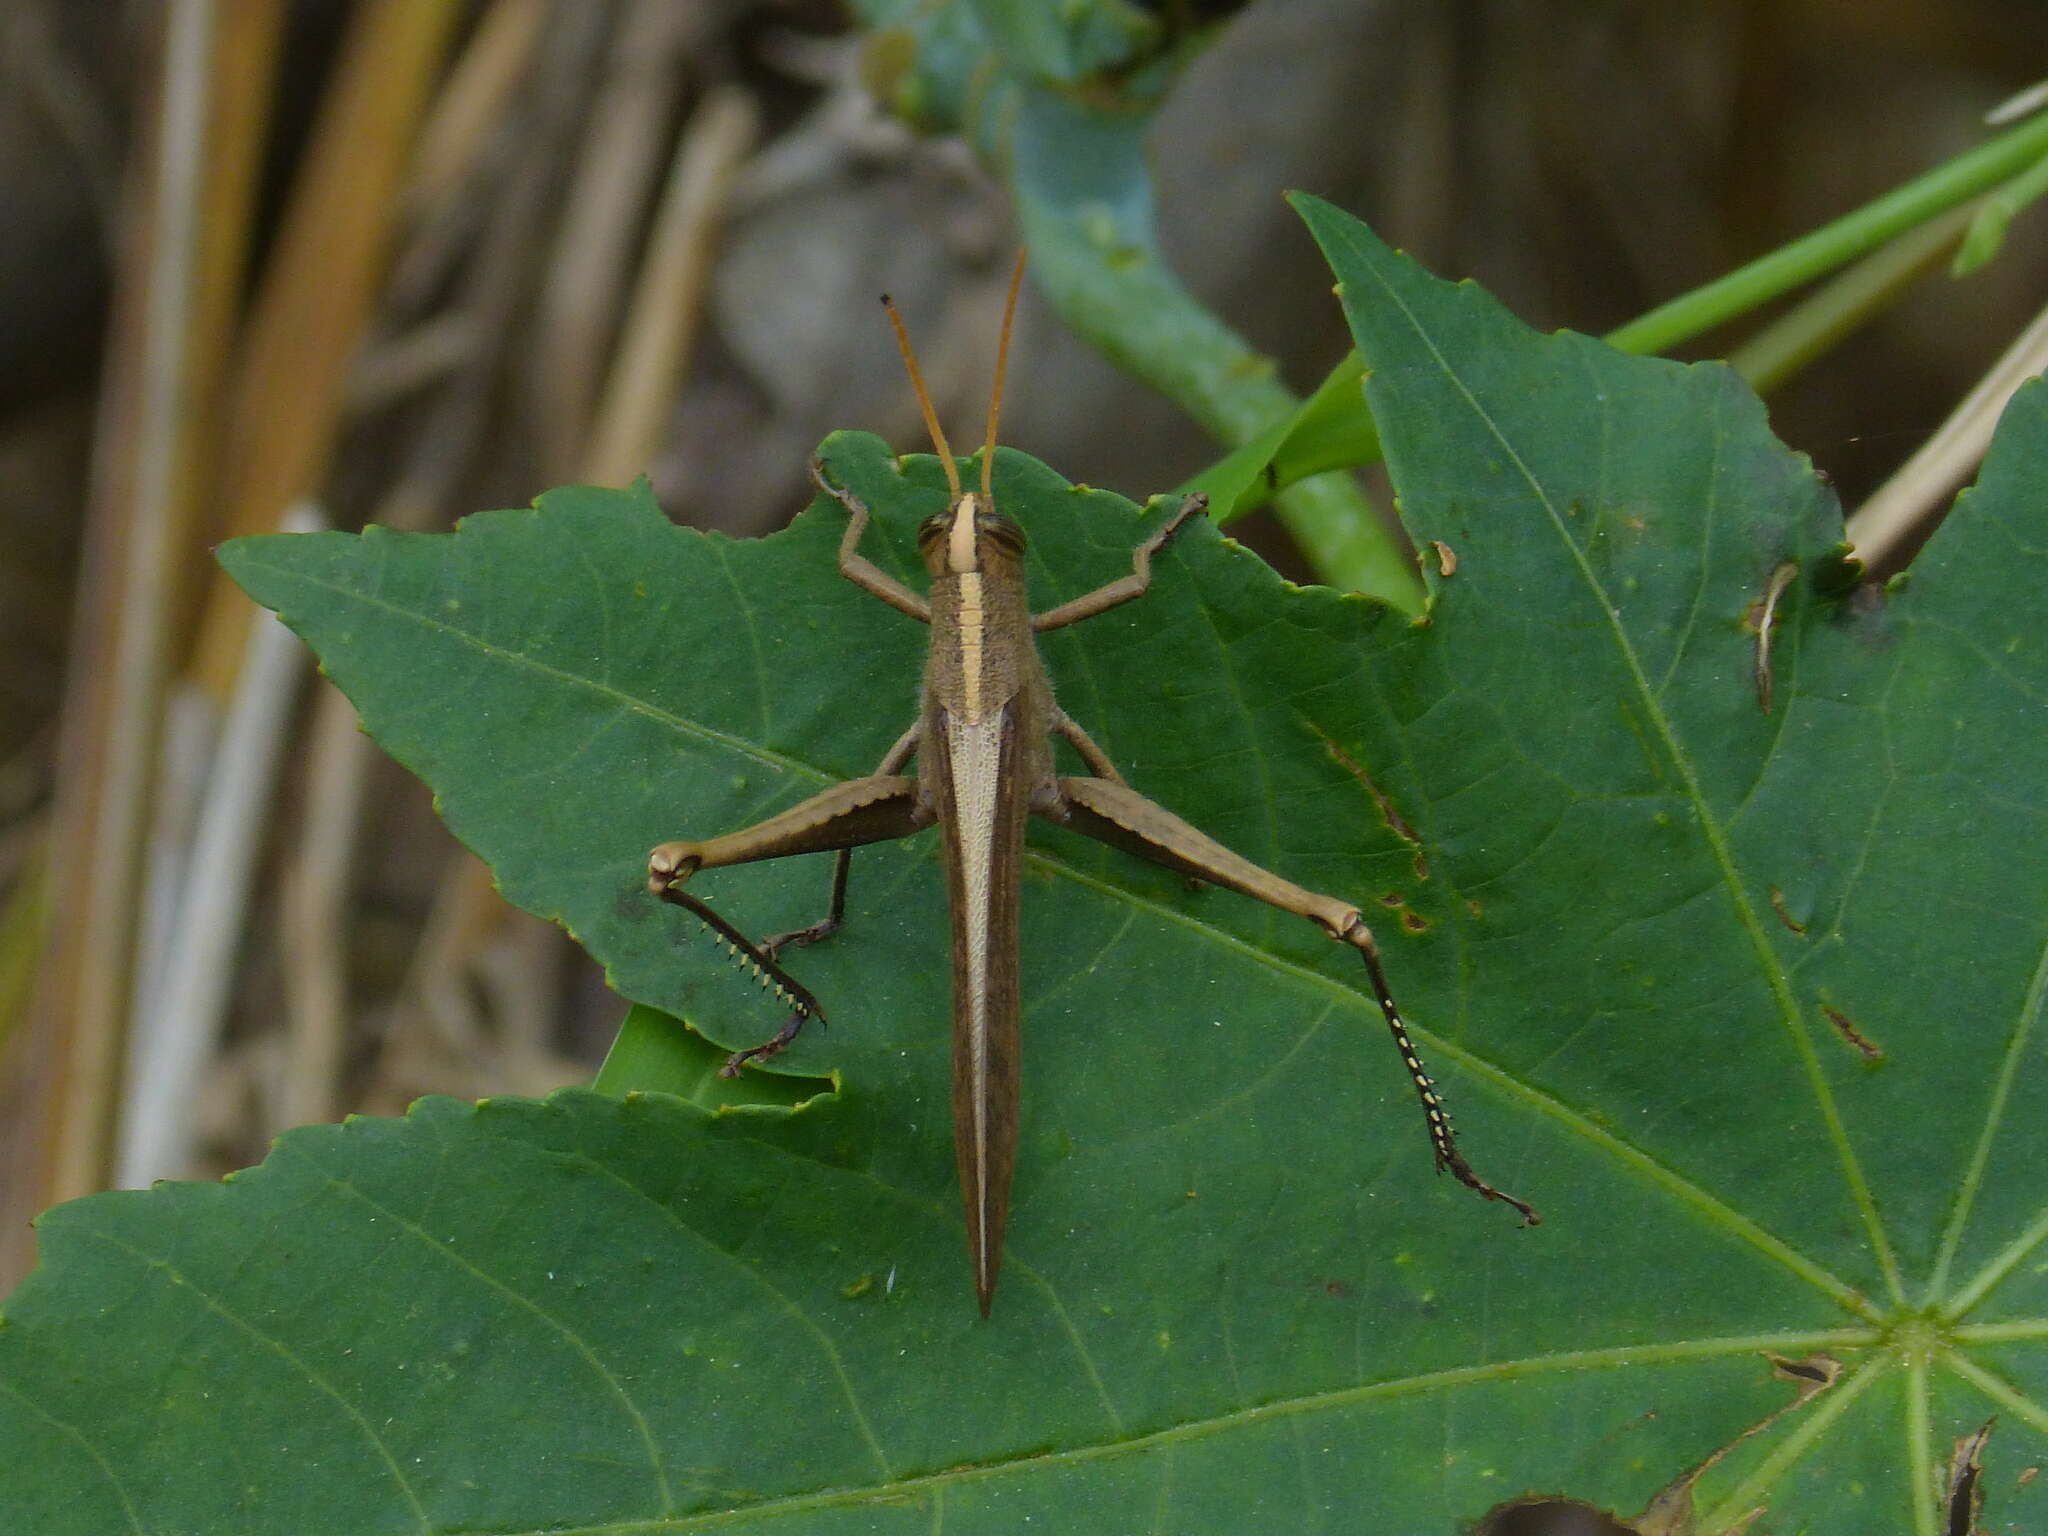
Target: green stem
x: 1830, y: 246
x: 1847, y: 302
x: 1313, y: 440
x: 1996, y: 213
x: 1084, y: 198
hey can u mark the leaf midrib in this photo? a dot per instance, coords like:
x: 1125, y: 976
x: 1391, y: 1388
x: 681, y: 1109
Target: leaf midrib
x: 1616, y: 1357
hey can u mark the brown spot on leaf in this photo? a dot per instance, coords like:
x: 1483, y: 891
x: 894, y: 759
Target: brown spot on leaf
x: 1672, y: 1511
x: 1816, y: 1373
x: 1381, y: 800
x: 1966, y: 1481
x: 1762, y: 618
x: 1784, y: 916
x: 1864, y: 1046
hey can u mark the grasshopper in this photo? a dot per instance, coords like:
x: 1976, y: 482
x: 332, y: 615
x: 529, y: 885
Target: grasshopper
x: 984, y: 747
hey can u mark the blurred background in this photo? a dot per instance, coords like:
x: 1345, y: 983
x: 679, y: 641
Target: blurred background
x: 338, y: 261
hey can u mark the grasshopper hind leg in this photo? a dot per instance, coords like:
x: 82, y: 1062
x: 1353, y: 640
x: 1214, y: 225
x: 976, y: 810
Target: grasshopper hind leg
x: 882, y: 806
x: 761, y: 963
x: 1116, y: 814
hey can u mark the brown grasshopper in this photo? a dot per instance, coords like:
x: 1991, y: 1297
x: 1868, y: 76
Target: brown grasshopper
x: 984, y: 746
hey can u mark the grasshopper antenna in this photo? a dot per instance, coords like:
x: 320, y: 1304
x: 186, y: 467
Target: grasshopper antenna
x: 924, y: 399
x: 995, y: 403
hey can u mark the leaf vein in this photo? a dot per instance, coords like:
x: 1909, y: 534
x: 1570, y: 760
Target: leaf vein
x: 568, y: 1334
x: 283, y: 1351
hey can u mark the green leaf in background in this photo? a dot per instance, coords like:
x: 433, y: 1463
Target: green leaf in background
x: 1329, y: 430
x: 658, y: 1052
x: 1058, y: 101
x: 1642, y: 927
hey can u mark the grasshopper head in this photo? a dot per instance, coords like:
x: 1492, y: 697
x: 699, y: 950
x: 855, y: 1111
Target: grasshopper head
x: 964, y: 536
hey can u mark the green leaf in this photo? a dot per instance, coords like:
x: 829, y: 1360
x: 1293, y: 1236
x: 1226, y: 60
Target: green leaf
x: 1329, y: 430
x: 656, y: 1052
x: 1058, y: 101
x: 1617, y: 899
x: 1731, y: 893
x: 1084, y: 199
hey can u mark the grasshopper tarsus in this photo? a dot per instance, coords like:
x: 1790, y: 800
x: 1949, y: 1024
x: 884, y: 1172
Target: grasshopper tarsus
x: 1122, y: 590
x: 1454, y: 1163
x: 802, y: 938
x: 1443, y: 1139
x: 1194, y: 504
x: 835, y: 914
x: 773, y: 1046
